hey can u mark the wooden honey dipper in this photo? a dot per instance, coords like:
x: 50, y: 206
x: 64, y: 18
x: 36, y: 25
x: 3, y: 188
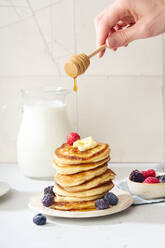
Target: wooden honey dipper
x: 78, y: 63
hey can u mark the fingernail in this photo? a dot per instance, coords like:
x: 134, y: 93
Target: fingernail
x: 107, y: 43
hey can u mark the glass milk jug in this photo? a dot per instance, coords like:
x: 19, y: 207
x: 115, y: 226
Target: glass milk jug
x: 45, y: 126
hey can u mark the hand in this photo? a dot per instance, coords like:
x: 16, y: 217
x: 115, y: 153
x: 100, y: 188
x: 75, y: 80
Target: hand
x: 127, y: 20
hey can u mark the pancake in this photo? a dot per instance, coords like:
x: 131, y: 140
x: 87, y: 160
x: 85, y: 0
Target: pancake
x: 82, y: 177
x: 88, y: 205
x: 96, y: 181
x: 72, y: 169
x: 79, y: 178
x: 67, y: 154
x: 94, y: 191
x: 59, y: 198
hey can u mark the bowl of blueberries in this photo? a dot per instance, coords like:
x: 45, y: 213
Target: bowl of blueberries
x: 148, y: 184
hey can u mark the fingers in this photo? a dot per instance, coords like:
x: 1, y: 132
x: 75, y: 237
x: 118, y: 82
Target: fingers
x: 128, y: 19
x: 105, y: 22
x: 99, y: 55
x: 103, y: 31
x: 123, y: 37
x: 121, y: 25
x: 118, y: 26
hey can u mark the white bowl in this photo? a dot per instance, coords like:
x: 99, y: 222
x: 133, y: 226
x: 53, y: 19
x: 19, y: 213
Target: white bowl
x: 147, y: 190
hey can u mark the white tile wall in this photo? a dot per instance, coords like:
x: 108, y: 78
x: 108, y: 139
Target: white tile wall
x: 128, y: 113
x: 121, y: 97
x: 137, y: 59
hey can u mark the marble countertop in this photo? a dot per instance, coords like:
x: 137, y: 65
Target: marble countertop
x: 140, y: 226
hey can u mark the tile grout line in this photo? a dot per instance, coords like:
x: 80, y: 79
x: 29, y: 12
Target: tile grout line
x: 74, y: 26
x: 51, y: 29
x: 75, y: 94
x: 63, y: 75
x: 163, y: 92
x: 16, y: 6
x: 43, y: 38
x: 28, y: 16
x: 15, y: 9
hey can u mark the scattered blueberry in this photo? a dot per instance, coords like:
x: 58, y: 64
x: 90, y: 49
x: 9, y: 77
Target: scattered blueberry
x: 101, y: 204
x: 136, y: 176
x: 49, y: 190
x: 111, y: 198
x: 39, y: 219
x: 48, y: 200
x: 161, y: 178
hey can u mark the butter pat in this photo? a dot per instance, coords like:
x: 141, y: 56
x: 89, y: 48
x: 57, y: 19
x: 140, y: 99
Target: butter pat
x: 85, y: 144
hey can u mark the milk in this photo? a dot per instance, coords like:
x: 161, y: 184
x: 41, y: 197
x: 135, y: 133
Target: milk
x: 44, y: 127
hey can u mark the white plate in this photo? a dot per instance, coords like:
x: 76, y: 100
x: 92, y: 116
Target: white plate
x: 4, y: 188
x: 125, y: 201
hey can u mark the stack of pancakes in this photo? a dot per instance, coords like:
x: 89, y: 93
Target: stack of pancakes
x: 82, y: 177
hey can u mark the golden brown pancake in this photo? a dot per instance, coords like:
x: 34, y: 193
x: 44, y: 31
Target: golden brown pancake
x: 96, y: 181
x: 82, y: 177
x: 79, y: 178
x: 72, y: 169
x: 59, y: 198
x: 94, y: 191
x: 67, y: 154
x: 74, y: 205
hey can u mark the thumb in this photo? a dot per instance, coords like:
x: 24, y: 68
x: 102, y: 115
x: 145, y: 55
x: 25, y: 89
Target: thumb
x: 123, y: 37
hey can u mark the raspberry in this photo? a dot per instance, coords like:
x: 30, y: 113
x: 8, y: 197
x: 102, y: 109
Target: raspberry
x: 151, y: 180
x: 72, y: 137
x: 149, y: 173
x: 136, y: 176
x: 145, y: 174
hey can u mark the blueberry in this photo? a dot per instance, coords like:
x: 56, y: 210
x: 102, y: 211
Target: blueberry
x: 49, y: 190
x: 111, y: 198
x: 39, y: 219
x: 48, y: 200
x: 101, y: 204
x: 161, y: 179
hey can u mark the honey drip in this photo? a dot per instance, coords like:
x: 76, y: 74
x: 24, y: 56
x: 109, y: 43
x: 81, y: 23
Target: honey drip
x: 75, y: 89
x: 84, y: 210
x: 75, y: 85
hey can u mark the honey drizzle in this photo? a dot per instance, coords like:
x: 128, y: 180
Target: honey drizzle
x: 83, y: 210
x: 75, y: 85
x: 75, y: 89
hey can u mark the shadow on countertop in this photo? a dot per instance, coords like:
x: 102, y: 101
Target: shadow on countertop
x: 149, y: 214
x: 15, y: 200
